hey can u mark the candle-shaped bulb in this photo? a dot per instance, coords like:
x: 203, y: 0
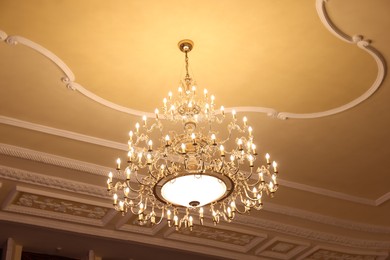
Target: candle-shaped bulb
x: 250, y: 131
x: 213, y: 139
x: 239, y: 142
x: 144, y: 119
x: 126, y: 192
x: 165, y: 102
x: 169, y: 214
x: 222, y: 150
x: 205, y: 92
x: 167, y: 140
x: 183, y: 148
x: 267, y: 157
x: 222, y: 110
x: 115, y: 199
x: 128, y: 172
x: 232, y: 157
x: 245, y: 120
x: 275, y: 165
x: 250, y: 158
x: 149, y: 158
x: 254, y: 149
x: 234, y: 114
x: 180, y: 89
x: 110, y: 176
x: 212, y: 99
x: 118, y: 164
x: 207, y: 106
x: 194, y: 89
x: 170, y: 95
x: 137, y: 127
x: 131, y: 135
x: 150, y: 145
x: 254, y: 190
x: 156, y: 113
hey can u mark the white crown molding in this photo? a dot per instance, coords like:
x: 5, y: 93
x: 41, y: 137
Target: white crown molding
x: 19, y: 175
x: 307, y: 215
x: 311, y: 234
x: 54, y: 214
x: 62, y: 133
x: 37, y: 156
x: 358, y: 253
x: 69, y: 78
x: 80, y: 188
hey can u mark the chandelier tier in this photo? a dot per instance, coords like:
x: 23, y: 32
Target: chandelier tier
x: 182, y: 175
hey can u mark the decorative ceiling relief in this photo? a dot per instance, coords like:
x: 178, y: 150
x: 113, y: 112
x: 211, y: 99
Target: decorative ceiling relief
x: 217, y: 237
x: 41, y: 203
x: 337, y: 254
x: 69, y: 77
x: 280, y: 248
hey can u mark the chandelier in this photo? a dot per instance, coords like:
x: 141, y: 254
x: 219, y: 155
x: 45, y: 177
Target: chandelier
x: 181, y: 167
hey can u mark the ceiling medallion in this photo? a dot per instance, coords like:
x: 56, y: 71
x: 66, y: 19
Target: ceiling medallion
x: 180, y: 165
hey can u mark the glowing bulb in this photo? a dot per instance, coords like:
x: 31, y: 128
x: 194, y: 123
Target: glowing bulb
x: 205, y: 92
x: 128, y: 172
x: 245, y: 120
x: 222, y: 110
x: 170, y: 95
x: 275, y: 165
x: 118, y: 164
x: 156, y: 112
x: 267, y: 157
x: 234, y: 114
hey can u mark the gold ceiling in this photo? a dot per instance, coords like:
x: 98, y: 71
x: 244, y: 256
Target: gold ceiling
x: 271, y: 55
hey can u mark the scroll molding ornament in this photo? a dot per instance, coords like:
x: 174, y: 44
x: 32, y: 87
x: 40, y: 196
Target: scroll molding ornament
x: 69, y: 78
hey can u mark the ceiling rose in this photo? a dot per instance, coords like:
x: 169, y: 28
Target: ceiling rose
x: 196, y: 171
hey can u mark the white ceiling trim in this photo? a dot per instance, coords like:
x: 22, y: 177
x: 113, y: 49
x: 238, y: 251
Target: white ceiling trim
x: 359, y: 41
x: 81, y: 188
x: 101, y: 170
x: 358, y: 253
x: 97, y: 191
x: 9, y: 206
x: 69, y: 78
x: 92, y: 168
x: 307, y: 215
x: 19, y: 175
x: 311, y: 234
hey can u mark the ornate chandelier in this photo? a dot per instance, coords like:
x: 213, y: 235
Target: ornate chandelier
x: 179, y: 166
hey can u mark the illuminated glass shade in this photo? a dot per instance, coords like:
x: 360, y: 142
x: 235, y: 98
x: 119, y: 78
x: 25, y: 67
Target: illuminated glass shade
x: 193, y: 190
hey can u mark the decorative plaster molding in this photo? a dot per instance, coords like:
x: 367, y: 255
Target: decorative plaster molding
x: 128, y: 223
x: 231, y: 239
x: 311, y: 234
x: 57, y: 206
x: 51, y: 182
x: 69, y: 78
x: 124, y: 236
x: 328, y: 252
x: 307, y: 215
x: 62, y: 133
x: 282, y: 248
x: 359, y: 41
x: 36, y: 156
